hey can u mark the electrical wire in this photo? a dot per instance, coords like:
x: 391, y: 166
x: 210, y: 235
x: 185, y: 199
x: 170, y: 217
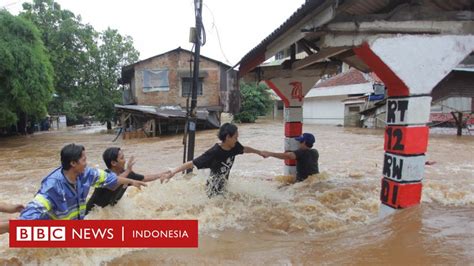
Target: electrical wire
x: 214, y: 25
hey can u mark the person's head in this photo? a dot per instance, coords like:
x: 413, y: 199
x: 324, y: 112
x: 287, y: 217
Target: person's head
x: 73, y: 157
x: 114, y: 159
x: 306, y: 140
x: 228, y: 134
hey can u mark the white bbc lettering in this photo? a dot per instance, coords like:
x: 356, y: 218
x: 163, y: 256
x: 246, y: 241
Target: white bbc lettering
x: 41, y: 233
x: 57, y: 233
x: 23, y: 233
x: 92, y: 233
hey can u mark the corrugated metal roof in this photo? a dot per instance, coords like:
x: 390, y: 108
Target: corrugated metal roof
x: 298, y: 15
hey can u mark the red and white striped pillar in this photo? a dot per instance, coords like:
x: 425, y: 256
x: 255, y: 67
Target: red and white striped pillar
x: 410, y: 67
x: 292, y: 92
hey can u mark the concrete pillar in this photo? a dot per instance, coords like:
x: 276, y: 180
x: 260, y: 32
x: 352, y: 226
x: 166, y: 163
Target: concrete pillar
x: 410, y: 67
x: 292, y: 92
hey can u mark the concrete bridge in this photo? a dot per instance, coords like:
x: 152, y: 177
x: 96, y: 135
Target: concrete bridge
x: 410, y: 45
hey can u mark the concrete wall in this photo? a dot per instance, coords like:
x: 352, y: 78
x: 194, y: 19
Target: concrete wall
x: 448, y: 105
x: 351, y: 114
x: 177, y: 64
x: 327, y: 110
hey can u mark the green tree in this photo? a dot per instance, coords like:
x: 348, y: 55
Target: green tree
x: 113, y: 52
x: 26, y: 74
x: 87, y: 63
x: 68, y: 42
x: 256, y: 101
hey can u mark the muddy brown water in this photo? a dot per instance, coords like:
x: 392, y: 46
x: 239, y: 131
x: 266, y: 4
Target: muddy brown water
x: 331, y: 218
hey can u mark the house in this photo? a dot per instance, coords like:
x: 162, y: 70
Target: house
x: 453, y: 96
x: 332, y: 99
x: 157, y: 91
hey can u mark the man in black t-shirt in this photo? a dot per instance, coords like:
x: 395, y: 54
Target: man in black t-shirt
x: 306, y: 157
x: 115, y: 161
x: 219, y: 158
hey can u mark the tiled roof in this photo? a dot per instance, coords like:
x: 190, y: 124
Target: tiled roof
x: 352, y: 76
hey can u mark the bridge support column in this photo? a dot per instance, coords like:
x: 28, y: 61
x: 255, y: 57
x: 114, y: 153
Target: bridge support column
x: 292, y: 92
x: 410, y: 67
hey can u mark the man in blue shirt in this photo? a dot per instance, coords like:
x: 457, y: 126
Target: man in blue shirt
x: 306, y: 157
x: 63, y: 193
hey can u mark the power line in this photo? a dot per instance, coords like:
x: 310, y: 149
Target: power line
x: 214, y: 25
x: 10, y: 4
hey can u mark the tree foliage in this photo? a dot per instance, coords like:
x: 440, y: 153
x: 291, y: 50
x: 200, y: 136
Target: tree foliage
x: 256, y: 102
x: 113, y: 52
x: 67, y: 41
x: 86, y: 63
x: 26, y: 74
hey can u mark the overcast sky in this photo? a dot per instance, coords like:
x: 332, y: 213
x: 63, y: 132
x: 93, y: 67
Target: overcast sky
x: 157, y: 26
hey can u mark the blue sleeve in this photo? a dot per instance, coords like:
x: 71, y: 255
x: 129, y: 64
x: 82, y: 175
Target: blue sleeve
x: 101, y: 178
x: 42, y: 207
x: 34, y: 211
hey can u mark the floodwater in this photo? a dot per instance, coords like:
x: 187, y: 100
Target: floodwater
x: 330, y: 218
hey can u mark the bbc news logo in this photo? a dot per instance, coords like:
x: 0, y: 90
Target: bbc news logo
x: 40, y: 233
x: 104, y: 233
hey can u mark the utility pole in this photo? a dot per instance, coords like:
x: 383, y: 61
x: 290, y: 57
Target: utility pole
x: 192, y: 122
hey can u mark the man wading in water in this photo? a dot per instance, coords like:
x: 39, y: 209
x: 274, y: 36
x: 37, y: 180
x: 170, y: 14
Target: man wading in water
x: 306, y: 157
x: 219, y: 159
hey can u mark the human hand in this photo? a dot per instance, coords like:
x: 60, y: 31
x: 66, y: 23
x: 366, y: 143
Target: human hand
x: 12, y: 208
x: 166, y: 176
x: 265, y: 154
x: 138, y: 184
x: 165, y: 173
x: 130, y: 164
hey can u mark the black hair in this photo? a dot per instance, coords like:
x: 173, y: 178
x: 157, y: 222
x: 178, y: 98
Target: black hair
x: 109, y: 155
x: 226, y: 129
x: 308, y: 145
x: 71, y: 153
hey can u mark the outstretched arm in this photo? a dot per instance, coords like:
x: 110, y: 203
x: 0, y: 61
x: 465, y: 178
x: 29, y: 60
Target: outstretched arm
x: 280, y: 155
x: 11, y: 208
x: 248, y: 149
x: 4, y: 227
x: 153, y: 177
x: 185, y: 166
x: 8, y: 208
x: 121, y: 180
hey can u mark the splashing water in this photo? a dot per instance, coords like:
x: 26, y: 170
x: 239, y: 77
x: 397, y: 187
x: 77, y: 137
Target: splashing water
x: 328, y: 217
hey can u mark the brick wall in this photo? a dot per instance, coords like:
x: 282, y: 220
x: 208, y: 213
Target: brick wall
x: 177, y: 63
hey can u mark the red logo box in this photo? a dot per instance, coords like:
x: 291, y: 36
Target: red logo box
x: 104, y: 233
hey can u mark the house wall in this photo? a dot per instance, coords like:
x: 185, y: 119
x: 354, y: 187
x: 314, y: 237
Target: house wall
x: 456, y: 84
x: 448, y: 105
x: 324, y: 110
x: 352, y: 117
x: 177, y: 64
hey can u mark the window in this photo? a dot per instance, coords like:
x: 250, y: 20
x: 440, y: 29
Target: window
x: 353, y: 109
x: 280, y: 55
x: 155, y: 80
x: 187, y: 84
